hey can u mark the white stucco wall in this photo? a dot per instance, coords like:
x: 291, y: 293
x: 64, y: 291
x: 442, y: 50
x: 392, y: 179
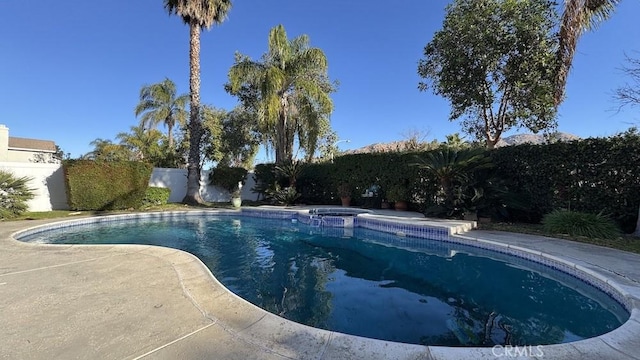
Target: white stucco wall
x: 4, y: 143
x: 176, y: 180
x: 51, y: 194
x: 22, y: 155
x: 47, y: 180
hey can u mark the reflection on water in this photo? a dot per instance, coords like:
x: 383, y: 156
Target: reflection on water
x: 434, y: 294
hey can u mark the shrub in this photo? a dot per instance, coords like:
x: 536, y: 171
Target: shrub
x: 228, y: 177
x: 14, y: 195
x: 97, y: 185
x: 155, y: 196
x: 397, y: 193
x: 283, y: 196
x: 590, y: 175
x: 577, y: 223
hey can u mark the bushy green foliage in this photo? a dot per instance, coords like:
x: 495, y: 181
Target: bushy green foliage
x: 228, y: 177
x: 591, y: 175
x: 526, y: 181
x: 290, y: 170
x: 576, y: 223
x: 99, y: 185
x: 14, y: 194
x: 460, y: 176
x: 283, y: 196
x: 265, y: 176
x: 155, y: 196
x: 494, y: 60
x: 397, y: 193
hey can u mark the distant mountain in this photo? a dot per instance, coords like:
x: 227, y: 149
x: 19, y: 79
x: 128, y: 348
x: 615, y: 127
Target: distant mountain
x: 535, y: 139
x: 394, y: 146
x: 412, y: 145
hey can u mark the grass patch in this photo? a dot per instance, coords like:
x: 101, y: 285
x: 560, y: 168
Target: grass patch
x: 623, y: 242
x: 40, y: 215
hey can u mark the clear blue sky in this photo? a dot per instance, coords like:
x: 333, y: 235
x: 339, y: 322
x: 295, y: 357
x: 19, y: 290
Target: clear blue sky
x: 71, y: 71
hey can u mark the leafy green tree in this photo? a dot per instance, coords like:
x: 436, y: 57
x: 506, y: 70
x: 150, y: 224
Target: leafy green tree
x: 328, y: 146
x: 211, y: 141
x: 578, y: 17
x: 159, y: 103
x: 289, y: 89
x: 14, y: 194
x: 197, y: 14
x: 240, y: 138
x: 494, y: 61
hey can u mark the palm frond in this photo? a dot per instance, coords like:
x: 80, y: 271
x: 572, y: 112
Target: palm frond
x: 204, y: 13
x: 578, y: 17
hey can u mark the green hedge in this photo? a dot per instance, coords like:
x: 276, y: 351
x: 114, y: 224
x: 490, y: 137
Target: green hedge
x: 592, y: 175
x: 155, y: 196
x: 97, y: 185
x: 318, y: 183
x: 596, y: 175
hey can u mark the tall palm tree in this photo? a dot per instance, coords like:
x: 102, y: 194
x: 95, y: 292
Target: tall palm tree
x: 197, y: 14
x: 160, y: 104
x: 292, y: 87
x: 578, y: 17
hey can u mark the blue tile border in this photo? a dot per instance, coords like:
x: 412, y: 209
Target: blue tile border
x: 409, y: 234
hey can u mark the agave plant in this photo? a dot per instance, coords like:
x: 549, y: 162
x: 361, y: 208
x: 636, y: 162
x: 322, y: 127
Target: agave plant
x: 14, y: 194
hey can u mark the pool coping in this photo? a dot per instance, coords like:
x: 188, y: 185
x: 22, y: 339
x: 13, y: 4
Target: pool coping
x: 249, y: 324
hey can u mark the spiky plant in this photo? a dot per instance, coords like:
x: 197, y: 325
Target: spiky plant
x: 576, y: 223
x: 14, y: 194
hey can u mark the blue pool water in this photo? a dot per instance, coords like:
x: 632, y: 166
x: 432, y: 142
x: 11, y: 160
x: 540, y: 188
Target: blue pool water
x: 374, y: 284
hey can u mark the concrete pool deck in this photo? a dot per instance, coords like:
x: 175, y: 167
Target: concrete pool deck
x: 138, y: 301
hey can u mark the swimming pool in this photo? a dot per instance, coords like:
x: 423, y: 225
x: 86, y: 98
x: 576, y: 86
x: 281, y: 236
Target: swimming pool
x: 418, y: 291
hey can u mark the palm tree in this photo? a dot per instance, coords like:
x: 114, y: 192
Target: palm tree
x: 579, y: 16
x: 292, y: 89
x: 160, y: 104
x: 106, y: 150
x: 144, y: 144
x: 197, y: 14
x: 453, y: 169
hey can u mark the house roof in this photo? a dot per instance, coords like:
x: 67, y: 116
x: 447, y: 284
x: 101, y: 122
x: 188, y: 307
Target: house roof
x: 31, y: 144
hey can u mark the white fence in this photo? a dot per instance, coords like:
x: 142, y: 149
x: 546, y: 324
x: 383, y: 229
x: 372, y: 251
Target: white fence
x: 50, y: 191
x: 47, y: 182
x: 176, y: 180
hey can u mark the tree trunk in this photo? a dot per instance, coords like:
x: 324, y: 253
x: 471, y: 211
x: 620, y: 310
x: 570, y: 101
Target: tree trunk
x: 170, y: 135
x: 281, y: 138
x: 195, y: 127
x: 570, y: 31
x: 637, y: 232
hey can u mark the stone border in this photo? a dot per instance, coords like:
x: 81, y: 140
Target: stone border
x: 259, y: 327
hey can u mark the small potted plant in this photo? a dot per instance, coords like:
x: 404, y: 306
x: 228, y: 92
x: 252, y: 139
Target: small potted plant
x: 344, y: 191
x: 398, y: 195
